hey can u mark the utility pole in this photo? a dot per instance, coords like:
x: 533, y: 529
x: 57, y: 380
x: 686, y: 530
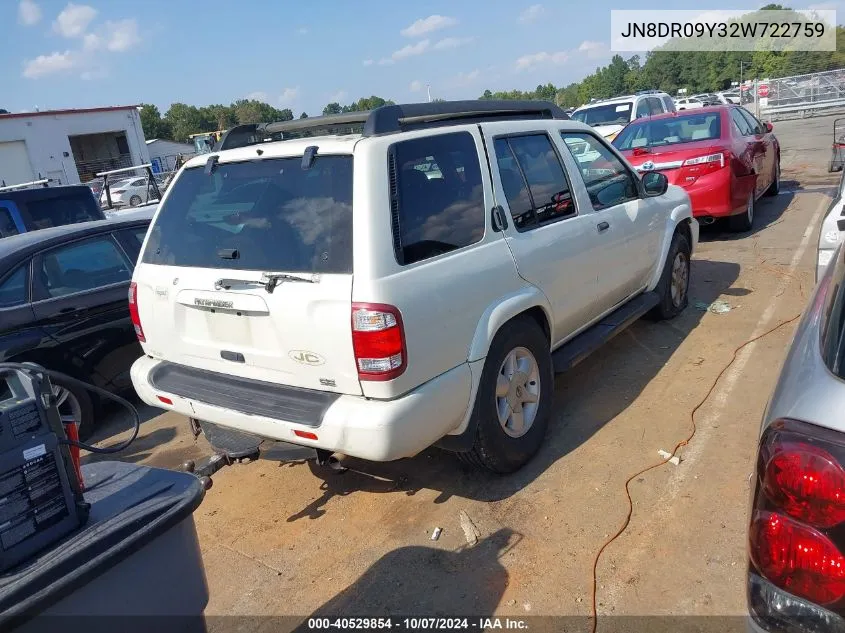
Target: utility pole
x: 741, y: 62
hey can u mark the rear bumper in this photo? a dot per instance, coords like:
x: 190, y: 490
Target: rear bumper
x: 376, y: 430
x: 710, y: 195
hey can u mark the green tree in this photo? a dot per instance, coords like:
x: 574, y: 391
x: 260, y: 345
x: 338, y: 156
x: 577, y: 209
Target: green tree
x: 303, y: 116
x: 184, y: 120
x: 332, y: 108
x: 152, y: 123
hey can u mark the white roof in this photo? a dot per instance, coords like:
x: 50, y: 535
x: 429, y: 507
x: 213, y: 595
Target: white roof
x: 280, y: 149
x: 621, y: 99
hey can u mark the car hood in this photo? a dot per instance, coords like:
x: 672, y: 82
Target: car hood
x: 608, y: 130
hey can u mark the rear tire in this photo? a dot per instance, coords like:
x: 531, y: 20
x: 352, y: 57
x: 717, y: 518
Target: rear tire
x: 134, y: 201
x: 513, y: 404
x: 75, y: 404
x: 744, y: 221
x: 774, y: 188
x: 673, y: 286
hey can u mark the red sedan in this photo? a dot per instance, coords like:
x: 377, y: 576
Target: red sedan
x: 721, y: 155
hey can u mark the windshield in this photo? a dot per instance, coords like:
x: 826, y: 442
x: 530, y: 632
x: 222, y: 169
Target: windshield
x: 610, y: 114
x: 268, y: 215
x: 683, y: 128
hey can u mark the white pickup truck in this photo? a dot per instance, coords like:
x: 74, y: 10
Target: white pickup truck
x: 374, y: 283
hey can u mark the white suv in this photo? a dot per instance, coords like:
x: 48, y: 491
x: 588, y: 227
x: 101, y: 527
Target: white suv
x: 417, y: 282
x: 609, y: 116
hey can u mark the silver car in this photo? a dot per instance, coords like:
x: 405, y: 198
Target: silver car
x: 796, y: 572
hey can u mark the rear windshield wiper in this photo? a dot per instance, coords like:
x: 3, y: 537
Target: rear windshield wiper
x: 269, y: 280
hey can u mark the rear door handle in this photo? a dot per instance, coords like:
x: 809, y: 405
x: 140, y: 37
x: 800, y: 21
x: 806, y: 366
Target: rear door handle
x: 602, y: 226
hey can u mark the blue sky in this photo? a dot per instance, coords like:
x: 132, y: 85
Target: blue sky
x: 300, y: 55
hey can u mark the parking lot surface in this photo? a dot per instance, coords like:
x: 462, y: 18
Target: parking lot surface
x: 290, y: 538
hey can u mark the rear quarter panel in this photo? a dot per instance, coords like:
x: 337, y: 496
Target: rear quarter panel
x: 443, y: 300
x: 806, y: 389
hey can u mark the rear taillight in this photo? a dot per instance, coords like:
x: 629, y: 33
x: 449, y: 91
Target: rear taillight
x: 798, y: 520
x: 378, y: 339
x: 797, y: 558
x: 133, y: 312
x: 807, y: 483
x: 694, y: 168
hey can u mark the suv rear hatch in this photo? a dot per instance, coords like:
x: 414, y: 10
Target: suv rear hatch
x: 247, y: 271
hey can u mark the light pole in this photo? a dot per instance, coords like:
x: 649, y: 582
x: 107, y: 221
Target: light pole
x: 428, y: 88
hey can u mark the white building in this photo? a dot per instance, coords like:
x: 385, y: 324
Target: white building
x: 69, y: 146
x: 163, y: 153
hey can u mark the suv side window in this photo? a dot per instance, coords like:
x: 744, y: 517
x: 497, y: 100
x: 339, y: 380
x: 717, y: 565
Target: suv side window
x: 13, y: 289
x: 740, y: 122
x: 669, y: 104
x: 7, y: 224
x: 438, y: 196
x: 756, y: 126
x: 533, y: 179
x: 82, y: 266
x: 643, y: 108
x: 607, y: 179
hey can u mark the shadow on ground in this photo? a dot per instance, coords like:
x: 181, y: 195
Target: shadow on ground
x: 767, y: 212
x: 603, y: 386
x: 444, y: 583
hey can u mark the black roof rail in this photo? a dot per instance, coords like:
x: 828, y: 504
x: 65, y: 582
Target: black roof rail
x: 390, y: 119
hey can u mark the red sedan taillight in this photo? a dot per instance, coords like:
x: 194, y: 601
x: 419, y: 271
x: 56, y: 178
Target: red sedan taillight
x: 796, y: 534
x: 693, y: 168
x: 133, y: 312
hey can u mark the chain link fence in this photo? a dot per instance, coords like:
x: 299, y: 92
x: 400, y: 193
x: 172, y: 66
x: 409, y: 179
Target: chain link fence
x: 801, y: 95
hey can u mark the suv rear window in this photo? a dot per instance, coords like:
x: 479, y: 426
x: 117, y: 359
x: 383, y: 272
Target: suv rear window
x: 268, y: 215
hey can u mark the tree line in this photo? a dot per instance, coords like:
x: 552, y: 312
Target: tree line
x: 668, y: 70
x: 661, y: 69
x: 182, y: 120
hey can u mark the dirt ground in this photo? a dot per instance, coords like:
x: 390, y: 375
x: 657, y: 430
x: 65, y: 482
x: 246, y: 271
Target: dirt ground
x: 293, y: 539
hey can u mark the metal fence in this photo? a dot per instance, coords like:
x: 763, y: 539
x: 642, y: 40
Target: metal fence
x: 801, y: 95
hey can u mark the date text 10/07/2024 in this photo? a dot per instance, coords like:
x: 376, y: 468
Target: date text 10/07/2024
x: 417, y: 624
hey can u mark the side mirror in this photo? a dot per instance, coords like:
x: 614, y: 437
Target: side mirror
x: 655, y: 183
x: 769, y: 127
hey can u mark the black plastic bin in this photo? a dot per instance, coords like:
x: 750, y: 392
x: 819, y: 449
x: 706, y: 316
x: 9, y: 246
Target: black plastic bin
x: 134, y: 566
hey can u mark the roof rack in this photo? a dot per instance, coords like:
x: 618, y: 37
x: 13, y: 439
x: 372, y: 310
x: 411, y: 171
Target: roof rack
x: 44, y: 182
x: 391, y: 119
x: 648, y: 92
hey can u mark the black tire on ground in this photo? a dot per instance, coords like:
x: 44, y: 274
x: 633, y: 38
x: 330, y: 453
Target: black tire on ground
x: 85, y: 407
x: 774, y: 188
x: 134, y: 201
x: 493, y: 449
x: 678, y: 255
x: 743, y: 222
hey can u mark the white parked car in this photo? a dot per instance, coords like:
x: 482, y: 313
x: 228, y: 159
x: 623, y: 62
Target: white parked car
x: 374, y: 294
x: 129, y: 192
x: 832, y: 232
x: 609, y: 116
x: 688, y: 103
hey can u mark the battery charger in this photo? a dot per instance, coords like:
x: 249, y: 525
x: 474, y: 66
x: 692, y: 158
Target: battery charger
x: 41, y: 498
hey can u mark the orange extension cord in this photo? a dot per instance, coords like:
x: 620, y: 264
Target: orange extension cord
x: 627, y: 520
